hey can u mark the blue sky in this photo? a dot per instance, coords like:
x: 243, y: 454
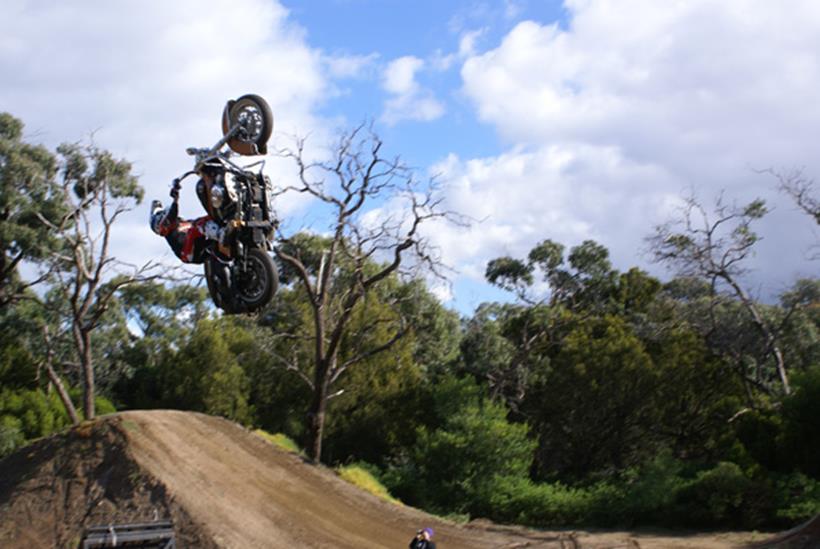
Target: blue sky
x: 391, y: 29
x: 569, y: 120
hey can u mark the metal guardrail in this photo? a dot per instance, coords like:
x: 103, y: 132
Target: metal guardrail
x: 149, y: 535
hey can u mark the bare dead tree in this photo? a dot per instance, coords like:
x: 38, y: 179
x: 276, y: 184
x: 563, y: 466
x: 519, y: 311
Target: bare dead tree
x: 714, y: 247
x: 800, y: 188
x: 365, y: 248
x: 96, y: 190
x: 795, y: 184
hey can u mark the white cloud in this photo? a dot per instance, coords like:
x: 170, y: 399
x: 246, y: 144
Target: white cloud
x: 666, y: 81
x: 612, y: 118
x: 565, y: 193
x: 466, y: 48
x: 409, y: 100
x: 152, y: 77
x: 400, y: 75
x: 351, y: 66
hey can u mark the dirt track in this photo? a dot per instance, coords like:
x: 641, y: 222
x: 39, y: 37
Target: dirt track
x: 225, y: 487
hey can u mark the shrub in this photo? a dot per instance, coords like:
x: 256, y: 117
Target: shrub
x: 365, y: 477
x: 649, y: 492
x: 725, y: 497
x: 516, y: 499
x: 798, y: 499
x: 29, y: 414
x: 280, y: 440
x: 11, y: 434
x: 450, y: 464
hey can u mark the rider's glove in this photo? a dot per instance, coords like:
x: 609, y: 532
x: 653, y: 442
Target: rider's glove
x: 175, y: 189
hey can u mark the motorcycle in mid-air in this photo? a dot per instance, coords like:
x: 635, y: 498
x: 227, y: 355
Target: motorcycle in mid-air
x: 240, y: 272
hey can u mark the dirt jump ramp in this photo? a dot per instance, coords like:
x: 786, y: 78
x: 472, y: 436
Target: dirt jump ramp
x: 224, y: 487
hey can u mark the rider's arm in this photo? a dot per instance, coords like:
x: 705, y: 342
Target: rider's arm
x: 173, y: 212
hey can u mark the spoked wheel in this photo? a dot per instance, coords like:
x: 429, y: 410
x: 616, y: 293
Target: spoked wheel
x: 255, y: 120
x: 256, y: 285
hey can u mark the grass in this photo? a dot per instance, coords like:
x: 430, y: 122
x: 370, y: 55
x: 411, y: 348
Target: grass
x: 280, y: 441
x: 130, y: 425
x: 361, y: 477
x: 354, y: 474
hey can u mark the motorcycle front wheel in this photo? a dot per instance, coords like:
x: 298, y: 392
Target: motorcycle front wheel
x: 254, y: 116
x: 216, y: 275
x: 259, y: 282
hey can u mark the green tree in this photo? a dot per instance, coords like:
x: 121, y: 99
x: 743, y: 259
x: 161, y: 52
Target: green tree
x: 29, y: 199
x: 377, y: 405
x: 205, y: 374
x: 580, y: 284
x: 161, y: 316
x: 594, y: 408
x: 801, y: 324
x: 696, y: 396
x: 801, y: 419
x: 507, y: 346
x: 450, y: 465
x: 584, y: 280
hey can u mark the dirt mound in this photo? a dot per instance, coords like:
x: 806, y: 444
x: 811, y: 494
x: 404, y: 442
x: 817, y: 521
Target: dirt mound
x: 52, y: 490
x: 804, y: 536
x: 224, y: 487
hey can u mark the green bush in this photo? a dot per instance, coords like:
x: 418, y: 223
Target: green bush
x: 26, y: 415
x: 661, y: 493
x: 516, y: 499
x: 280, y: 440
x: 628, y: 502
x: 365, y: 477
x: 29, y: 414
x: 643, y: 495
x: 724, y: 497
x: 798, y: 498
x: 11, y: 434
x: 448, y: 467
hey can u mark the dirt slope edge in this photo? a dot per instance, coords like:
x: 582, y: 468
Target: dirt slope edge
x: 51, y: 490
x: 247, y: 493
x: 225, y: 487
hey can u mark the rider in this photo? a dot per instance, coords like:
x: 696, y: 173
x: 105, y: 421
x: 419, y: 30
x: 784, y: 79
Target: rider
x: 187, y: 238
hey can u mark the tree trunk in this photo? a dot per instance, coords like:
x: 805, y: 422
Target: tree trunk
x: 63, y: 394
x: 88, y: 376
x: 316, y: 412
x: 771, y: 341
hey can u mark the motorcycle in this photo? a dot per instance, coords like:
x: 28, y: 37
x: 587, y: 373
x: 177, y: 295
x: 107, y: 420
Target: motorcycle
x: 239, y: 270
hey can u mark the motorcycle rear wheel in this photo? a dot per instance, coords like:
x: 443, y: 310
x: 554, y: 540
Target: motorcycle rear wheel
x: 260, y: 281
x: 254, y: 115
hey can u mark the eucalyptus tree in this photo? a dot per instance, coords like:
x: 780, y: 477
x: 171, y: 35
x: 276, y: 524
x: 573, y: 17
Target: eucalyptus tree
x: 28, y: 192
x: 95, y: 190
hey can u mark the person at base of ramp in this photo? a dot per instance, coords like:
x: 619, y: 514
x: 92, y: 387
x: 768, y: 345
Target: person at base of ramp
x: 423, y: 539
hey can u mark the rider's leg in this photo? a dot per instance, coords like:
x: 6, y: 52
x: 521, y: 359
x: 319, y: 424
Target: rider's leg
x: 210, y: 229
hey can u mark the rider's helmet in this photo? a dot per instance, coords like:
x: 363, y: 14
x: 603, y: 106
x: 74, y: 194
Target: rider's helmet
x: 159, y: 218
x: 429, y: 532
